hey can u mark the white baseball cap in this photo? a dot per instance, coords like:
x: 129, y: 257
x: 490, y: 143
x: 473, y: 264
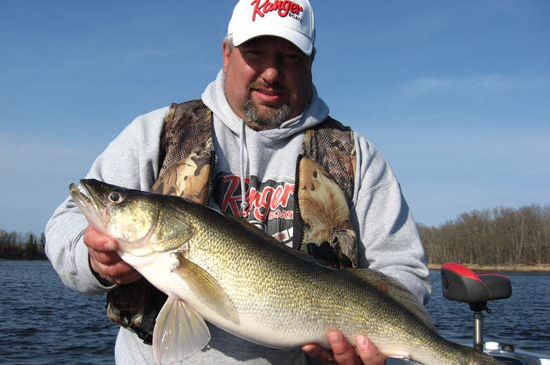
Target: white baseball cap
x: 291, y: 20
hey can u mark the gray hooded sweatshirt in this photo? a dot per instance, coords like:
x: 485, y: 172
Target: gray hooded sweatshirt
x: 247, y: 160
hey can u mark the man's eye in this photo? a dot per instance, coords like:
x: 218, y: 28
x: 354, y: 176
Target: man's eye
x: 252, y: 52
x: 293, y: 57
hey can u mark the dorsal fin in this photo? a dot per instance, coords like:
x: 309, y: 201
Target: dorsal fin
x: 395, y: 290
x: 254, y: 231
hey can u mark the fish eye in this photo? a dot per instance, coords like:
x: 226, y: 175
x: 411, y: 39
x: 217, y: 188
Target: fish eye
x: 116, y: 197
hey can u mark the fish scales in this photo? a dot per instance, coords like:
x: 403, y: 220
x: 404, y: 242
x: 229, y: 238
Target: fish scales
x: 286, y: 288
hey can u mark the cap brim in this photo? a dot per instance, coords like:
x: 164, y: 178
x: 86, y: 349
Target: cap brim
x: 298, y: 39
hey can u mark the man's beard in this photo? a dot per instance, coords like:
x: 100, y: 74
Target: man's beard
x: 259, y: 122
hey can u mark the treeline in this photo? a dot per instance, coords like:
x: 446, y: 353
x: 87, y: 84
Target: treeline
x: 17, y: 246
x: 501, y: 236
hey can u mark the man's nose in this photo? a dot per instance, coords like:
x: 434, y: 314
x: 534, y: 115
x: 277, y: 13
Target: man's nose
x: 272, y: 71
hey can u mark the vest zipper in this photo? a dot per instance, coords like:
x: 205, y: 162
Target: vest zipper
x: 210, y: 179
x: 298, y: 222
x: 212, y: 162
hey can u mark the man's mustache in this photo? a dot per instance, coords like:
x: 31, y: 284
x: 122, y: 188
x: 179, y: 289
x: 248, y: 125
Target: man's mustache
x: 275, y: 86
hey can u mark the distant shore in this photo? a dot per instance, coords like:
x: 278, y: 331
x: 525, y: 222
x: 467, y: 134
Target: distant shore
x: 545, y: 268
x: 507, y: 268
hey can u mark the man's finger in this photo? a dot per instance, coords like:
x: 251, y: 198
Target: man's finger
x: 368, y: 352
x: 128, y: 278
x: 98, y: 241
x: 119, y: 273
x: 113, y: 271
x: 344, y: 353
x: 105, y: 257
x: 318, y: 352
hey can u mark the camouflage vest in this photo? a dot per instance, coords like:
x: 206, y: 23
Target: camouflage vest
x: 323, y: 191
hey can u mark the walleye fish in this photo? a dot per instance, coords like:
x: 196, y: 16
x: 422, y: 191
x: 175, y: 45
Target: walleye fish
x: 233, y: 275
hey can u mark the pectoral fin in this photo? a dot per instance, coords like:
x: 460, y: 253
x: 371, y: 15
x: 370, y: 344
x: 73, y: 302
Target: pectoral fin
x: 206, y: 287
x: 179, y: 332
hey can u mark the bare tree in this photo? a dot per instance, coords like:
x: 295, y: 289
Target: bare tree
x: 490, y: 237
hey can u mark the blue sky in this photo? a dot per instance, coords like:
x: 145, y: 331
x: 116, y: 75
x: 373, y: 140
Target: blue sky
x: 455, y: 94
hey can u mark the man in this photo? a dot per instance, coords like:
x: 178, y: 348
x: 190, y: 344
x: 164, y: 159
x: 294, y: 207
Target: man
x: 261, y: 106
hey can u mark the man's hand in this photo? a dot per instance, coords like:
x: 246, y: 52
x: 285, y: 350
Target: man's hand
x: 344, y: 354
x: 104, y: 259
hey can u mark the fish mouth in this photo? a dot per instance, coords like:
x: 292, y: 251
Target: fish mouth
x: 90, y: 205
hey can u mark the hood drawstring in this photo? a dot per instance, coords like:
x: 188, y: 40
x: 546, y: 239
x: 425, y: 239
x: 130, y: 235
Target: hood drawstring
x: 243, y: 161
x: 215, y: 99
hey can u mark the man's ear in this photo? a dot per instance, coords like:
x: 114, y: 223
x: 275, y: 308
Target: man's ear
x: 226, y: 52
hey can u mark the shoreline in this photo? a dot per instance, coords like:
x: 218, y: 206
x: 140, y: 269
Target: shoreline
x: 544, y: 268
x: 539, y: 268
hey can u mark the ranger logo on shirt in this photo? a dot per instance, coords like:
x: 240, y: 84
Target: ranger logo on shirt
x: 270, y: 203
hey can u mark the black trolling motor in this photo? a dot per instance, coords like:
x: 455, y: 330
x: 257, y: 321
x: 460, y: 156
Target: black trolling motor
x: 461, y: 284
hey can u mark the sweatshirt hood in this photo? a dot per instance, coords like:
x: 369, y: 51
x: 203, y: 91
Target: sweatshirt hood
x: 214, y: 98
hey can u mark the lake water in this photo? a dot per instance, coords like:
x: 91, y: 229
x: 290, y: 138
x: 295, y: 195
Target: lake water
x: 45, y: 323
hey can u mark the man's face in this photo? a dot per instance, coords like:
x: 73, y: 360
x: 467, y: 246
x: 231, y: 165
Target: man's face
x: 267, y: 81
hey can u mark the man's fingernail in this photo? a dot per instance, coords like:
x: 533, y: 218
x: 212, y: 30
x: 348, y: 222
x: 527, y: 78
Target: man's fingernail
x: 110, y: 246
x: 362, y: 342
x: 307, y: 348
x: 334, y: 337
